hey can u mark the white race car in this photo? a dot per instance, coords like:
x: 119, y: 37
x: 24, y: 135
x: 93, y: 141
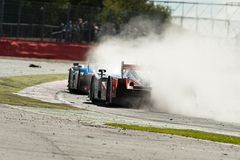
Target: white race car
x: 125, y: 89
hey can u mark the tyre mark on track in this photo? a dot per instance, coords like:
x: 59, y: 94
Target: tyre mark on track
x: 1, y: 156
x: 59, y: 151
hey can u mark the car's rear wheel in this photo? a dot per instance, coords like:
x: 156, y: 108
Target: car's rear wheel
x: 81, y: 84
x: 91, y: 92
x: 108, y: 93
x: 69, y: 79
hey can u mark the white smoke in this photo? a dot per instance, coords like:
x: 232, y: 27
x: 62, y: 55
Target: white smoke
x: 189, y: 74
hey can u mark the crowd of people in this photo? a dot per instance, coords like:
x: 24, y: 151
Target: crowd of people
x: 80, y: 31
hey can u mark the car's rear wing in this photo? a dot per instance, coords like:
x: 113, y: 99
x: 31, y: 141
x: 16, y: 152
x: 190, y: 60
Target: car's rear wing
x: 127, y: 67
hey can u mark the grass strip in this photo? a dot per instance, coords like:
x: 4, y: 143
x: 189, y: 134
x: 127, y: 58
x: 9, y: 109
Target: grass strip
x: 182, y: 132
x: 11, y: 85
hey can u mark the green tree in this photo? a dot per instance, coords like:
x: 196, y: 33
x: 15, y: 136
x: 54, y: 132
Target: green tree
x: 121, y: 11
x: 60, y: 2
x: 92, y: 3
x: 96, y: 3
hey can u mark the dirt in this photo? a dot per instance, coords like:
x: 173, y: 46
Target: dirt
x: 36, y: 133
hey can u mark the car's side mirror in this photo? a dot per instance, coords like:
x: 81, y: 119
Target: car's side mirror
x: 101, y: 72
x: 75, y: 64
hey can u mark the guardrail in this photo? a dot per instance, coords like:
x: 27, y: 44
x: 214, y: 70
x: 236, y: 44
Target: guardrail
x: 41, y: 49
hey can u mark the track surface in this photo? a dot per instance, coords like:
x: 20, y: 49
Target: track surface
x: 57, y: 92
x: 34, y: 133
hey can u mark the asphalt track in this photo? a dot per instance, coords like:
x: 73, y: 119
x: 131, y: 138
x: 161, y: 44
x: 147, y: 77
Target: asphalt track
x: 57, y: 92
x: 36, y: 133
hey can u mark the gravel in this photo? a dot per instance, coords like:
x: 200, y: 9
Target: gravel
x: 37, y: 133
x: 19, y: 67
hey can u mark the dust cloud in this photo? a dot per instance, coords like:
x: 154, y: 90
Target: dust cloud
x: 189, y: 74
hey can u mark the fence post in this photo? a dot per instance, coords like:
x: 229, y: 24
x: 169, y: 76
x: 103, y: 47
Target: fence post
x: 43, y: 20
x: 68, y: 12
x: 182, y: 16
x: 1, y: 17
x: 19, y: 17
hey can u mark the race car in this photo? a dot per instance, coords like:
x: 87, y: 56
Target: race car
x: 125, y: 89
x: 79, y: 78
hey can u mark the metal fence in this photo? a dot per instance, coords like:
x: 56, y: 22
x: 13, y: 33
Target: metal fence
x: 206, y: 18
x: 47, y: 21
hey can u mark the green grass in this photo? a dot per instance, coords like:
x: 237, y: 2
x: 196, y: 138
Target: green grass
x: 11, y: 85
x: 182, y: 132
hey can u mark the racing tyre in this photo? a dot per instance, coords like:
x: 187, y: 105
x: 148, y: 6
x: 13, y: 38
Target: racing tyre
x: 69, y: 76
x: 79, y: 84
x: 91, y: 91
x: 71, y: 90
x: 108, y: 93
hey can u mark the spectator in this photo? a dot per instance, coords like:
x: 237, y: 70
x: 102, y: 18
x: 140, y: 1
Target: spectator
x: 59, y: 35
x: 69, y: 31
x: 75, y: 32
x: 62, y: 32
x: 86, y: 31
x: 78, y: 32
x: 94, y: 31
x: 80, y: 29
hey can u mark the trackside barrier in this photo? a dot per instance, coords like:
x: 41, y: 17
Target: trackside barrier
x: 46, y: 50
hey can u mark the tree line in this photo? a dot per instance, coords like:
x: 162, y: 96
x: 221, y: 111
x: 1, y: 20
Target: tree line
x: 101, y: 11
